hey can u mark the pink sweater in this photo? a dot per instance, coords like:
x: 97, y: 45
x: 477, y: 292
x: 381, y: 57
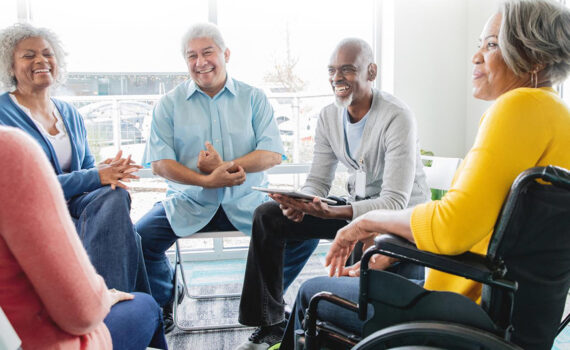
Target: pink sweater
x: 49, y: 290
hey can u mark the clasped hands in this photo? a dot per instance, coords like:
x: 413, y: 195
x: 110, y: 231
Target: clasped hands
x: 115, y: 171
x: 220, y: 173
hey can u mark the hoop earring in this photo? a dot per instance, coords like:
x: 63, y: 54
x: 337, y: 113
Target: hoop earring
x: 534, y: 79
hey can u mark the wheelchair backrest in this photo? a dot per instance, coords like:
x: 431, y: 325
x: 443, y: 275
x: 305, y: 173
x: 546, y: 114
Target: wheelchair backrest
x: 532, y: 240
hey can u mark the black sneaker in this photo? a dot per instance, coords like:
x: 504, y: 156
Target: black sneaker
x: 265, y: 338
x: 168, y: 309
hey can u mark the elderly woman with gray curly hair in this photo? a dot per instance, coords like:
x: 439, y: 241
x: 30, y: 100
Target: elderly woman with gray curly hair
x: 524, y: 50
x: 31, y: 63
x: 48, y: 289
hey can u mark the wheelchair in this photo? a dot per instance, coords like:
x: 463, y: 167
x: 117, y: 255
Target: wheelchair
x: 525, y: 278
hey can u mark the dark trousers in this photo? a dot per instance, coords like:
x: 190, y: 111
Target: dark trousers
x: 278, y: 249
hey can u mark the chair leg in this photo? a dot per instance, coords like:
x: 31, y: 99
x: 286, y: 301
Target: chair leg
x: 201, y: 297
x: 179, y: 268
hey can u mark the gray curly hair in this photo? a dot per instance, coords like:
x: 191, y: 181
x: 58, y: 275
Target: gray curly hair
x: 536, y: 32
x: 203, y: 30
x: 9, y: 39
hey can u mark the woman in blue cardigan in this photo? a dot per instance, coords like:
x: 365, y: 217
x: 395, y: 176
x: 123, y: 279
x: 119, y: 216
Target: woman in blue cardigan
x: 31, y: 62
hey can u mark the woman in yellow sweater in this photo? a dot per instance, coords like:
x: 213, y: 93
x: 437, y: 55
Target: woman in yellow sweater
x: 524, y: 49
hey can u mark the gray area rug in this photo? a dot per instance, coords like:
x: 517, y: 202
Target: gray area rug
x: 222, y: 277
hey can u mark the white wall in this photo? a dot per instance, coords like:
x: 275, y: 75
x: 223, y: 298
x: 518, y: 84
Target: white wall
x: 433, y: 43
x: 478, y: 13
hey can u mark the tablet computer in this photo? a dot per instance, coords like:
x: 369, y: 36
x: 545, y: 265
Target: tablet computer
x: 293, y: 194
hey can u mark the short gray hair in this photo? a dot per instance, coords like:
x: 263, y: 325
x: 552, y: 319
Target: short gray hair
x: 536, y: 32
x: 365, y: 48
x: 9, y: 39
x: 203, y: 30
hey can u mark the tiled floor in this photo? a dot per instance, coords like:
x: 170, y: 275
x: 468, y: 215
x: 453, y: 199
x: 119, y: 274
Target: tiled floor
x: 226, y: 277
x: 216, y: 277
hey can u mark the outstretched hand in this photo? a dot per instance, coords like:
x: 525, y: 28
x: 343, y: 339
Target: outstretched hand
x: 343, y: 245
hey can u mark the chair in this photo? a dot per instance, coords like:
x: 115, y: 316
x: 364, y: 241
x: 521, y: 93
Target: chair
x: 285, y: 169
x: 525, y: 277
x: 9, y: 340
x: 439, y: 173
x: 178, y: 267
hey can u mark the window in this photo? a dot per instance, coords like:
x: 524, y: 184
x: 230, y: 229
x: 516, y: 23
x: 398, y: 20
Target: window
x: 118, y: 49
x: 284, y: 47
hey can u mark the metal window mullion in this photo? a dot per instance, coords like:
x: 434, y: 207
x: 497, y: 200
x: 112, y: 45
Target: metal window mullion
x: 24, y: 11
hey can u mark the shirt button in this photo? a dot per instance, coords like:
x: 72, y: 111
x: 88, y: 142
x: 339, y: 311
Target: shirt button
x: 217, y: 140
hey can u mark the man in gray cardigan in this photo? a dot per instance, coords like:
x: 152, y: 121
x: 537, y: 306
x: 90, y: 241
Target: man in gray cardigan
x: 373, y: 135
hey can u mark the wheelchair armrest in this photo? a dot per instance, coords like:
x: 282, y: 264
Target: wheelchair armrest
x: 468, y: 265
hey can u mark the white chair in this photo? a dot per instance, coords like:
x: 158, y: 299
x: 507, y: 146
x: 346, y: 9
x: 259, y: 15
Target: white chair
x: 9, y: 340
x: 217, y: 235
x: 440, y: 171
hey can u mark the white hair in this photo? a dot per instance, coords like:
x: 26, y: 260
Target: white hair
x: 365, y: 48
x: 535, y: 33
x: 203, y: 30
x: 9, y: 39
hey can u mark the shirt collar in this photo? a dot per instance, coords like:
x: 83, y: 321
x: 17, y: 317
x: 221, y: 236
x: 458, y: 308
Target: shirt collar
x: 346, y: 118
x: 229, y: 85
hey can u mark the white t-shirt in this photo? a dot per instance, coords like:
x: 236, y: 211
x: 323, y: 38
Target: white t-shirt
x: 60, y: 141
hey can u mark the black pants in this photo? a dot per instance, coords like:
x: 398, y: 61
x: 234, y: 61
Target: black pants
x: 272, y: 234
x: 273, y: 239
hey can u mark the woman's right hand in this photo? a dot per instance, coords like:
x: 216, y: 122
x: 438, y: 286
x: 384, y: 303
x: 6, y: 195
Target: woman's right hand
x: 115, y: 171
x: 117, y: 295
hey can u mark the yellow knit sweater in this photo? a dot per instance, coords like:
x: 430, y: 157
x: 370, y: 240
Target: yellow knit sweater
x: 524, y: 128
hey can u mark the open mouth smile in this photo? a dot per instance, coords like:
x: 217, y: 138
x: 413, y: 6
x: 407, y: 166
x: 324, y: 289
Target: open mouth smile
x: 341, y: 90
x: 41, y: 71
x: 205, y: 70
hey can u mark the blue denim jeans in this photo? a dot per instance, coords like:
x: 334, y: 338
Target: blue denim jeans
x: 136, y: 324
x: 157, y: 236
x: 103, y: 223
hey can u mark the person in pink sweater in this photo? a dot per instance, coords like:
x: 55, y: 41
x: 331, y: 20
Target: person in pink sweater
x: 49, y: 290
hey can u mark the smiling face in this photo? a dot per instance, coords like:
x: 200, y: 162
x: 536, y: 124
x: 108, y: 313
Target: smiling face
x: 349, y: 75
x: 35, y: 66
x: 207, y: 64
x: 491, y: 75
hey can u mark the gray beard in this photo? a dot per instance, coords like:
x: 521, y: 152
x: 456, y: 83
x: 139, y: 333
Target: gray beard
x: 343, y: 103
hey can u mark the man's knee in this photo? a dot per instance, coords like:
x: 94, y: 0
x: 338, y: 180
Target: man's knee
x: 270, y: 208
x: 267, y: 215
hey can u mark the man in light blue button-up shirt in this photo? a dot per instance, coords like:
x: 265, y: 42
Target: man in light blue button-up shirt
x: 211, y: 138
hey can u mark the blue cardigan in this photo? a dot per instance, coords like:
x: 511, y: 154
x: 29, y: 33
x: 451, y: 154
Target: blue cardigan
x: 84, y: 176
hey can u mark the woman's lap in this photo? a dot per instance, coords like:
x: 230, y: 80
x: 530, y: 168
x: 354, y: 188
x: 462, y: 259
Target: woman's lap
x: 136, y: 323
